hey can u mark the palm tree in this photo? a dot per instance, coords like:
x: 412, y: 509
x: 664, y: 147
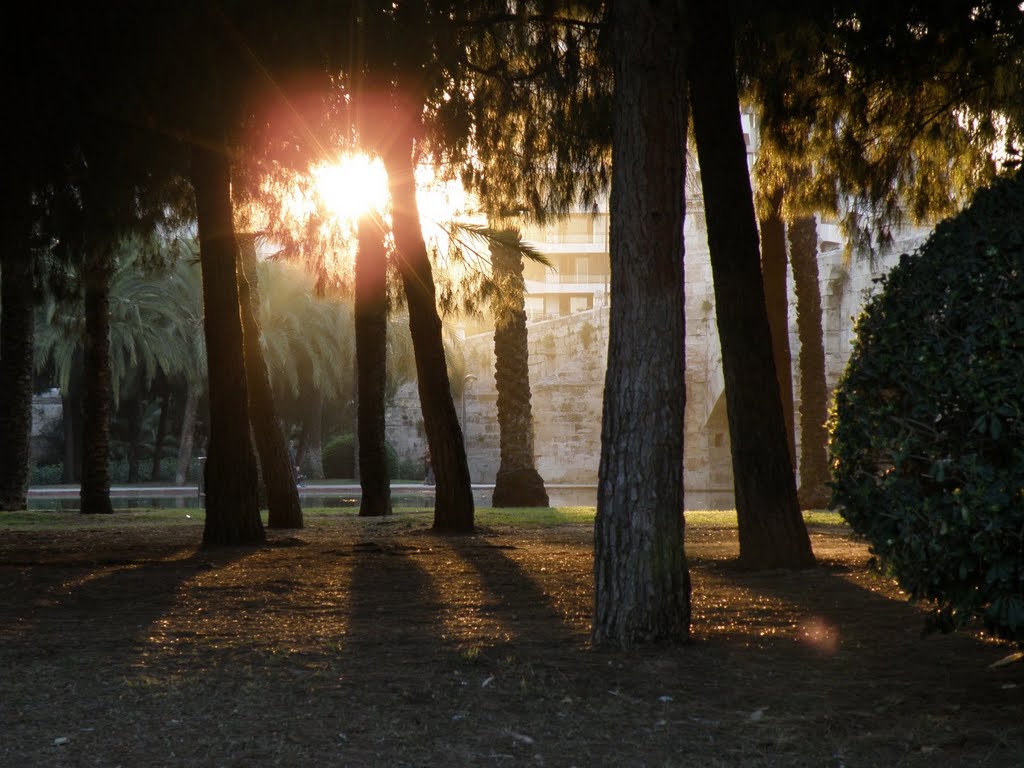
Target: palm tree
x: 307, y: 341
x: 151, y: 324
x: 518, y: 484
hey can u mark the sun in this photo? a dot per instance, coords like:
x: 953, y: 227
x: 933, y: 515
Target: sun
x: 351, y: 186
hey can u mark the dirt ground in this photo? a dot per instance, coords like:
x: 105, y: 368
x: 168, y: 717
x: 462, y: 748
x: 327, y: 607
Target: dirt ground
x: 377, y: 643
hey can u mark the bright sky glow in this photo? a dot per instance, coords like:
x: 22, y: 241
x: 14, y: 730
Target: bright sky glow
x: 351, y: 186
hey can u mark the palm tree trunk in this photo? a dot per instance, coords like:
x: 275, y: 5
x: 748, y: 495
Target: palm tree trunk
x: 188, y: 430
x: 232, y: 504
x: 284, y: 509
x: 371, y: 322
x: 137, y: 406
x: 814, y: 470
x: 776, y: 297
x: 453, y: 499
x: 518, y: 483
x: 641, y: 581
x: 311, y: 454
x: 771, y: 530
x: 161, y: 430
x: 17, y: 332
x: 96, y: 402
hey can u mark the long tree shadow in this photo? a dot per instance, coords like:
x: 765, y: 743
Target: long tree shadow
x: 517, y: 598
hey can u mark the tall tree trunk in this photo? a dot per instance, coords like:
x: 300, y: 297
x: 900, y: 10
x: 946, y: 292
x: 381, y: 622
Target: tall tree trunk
x: 161, y: 429
x: 232, y: 505
x: 71, y: 416
x: 17, y: 337
x: 518, y: 483
x: 814, y: 470
x: 776, y: 297
x: 96, y: 402
x: 284, y: 509
x: 311, y: 454
x: 371, y: 323
x: 453, y: 494
x: 137, y: 406
x: 641, y: 582
x: 771, y: 530
x: 188, y: 433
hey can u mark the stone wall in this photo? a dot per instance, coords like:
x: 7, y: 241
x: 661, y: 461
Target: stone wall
x: 568, y: 356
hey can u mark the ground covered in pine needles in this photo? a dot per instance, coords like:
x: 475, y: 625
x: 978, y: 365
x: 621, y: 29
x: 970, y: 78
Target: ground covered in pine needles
x: 377, y: 643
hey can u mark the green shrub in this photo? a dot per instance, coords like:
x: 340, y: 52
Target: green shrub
x: 339, y: 458
x: 47, y: 474
x: 927, y: 435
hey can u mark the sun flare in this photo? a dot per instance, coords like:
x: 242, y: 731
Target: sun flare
x: 352, y: 185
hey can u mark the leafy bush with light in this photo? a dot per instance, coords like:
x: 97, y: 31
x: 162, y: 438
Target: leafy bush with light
x: 927, y: 438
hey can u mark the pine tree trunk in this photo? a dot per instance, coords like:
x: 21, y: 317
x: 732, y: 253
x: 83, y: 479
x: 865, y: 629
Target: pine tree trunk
x: 371, y: 323
x: 814, y: 470
x: 771, y: 530
x: 518, y: 483
x: 17, y: 335
x: 453, y: 499
x: 283, y: 507
x: 776, y: 297
x: 188, y: 431
x: 641, y: 582
x: 161, y: 431
x: 97, y: 397
x: 232, y: 506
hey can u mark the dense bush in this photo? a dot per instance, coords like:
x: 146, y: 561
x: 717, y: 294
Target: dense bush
x: 47, y: 474
x: 53, y: 474
x: 927, y: 435
x: 339, y: 458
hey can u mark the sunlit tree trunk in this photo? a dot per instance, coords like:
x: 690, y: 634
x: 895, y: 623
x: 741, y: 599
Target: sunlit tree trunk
x: 771, y: 530
x: 641, y: 582
x: 97, y: 397
x: 518, y: 483
x: 232, y: 506
x: 371, y: 322
x: 453, y: 499
x: 17, y: 333
x: 814, y: 471
x: 283, y: 507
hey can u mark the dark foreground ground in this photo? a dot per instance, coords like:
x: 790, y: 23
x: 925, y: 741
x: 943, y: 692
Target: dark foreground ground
x: 355, y: 643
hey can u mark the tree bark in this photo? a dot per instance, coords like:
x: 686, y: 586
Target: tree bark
x: 814, y: 470
x: 641, y: 582
x: 776, y: 297
x: 283, y: 507
x: 17, y: 338
x: 371, y: 323
x: 311, y: 452
x: 137, y: 406
x: 95, y: 489
x: 232, y: 506
x: 188, y: 430
x: 518, y: 483
x: 161, y: 430
x: 453, y: 493
x: 771, y: 530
